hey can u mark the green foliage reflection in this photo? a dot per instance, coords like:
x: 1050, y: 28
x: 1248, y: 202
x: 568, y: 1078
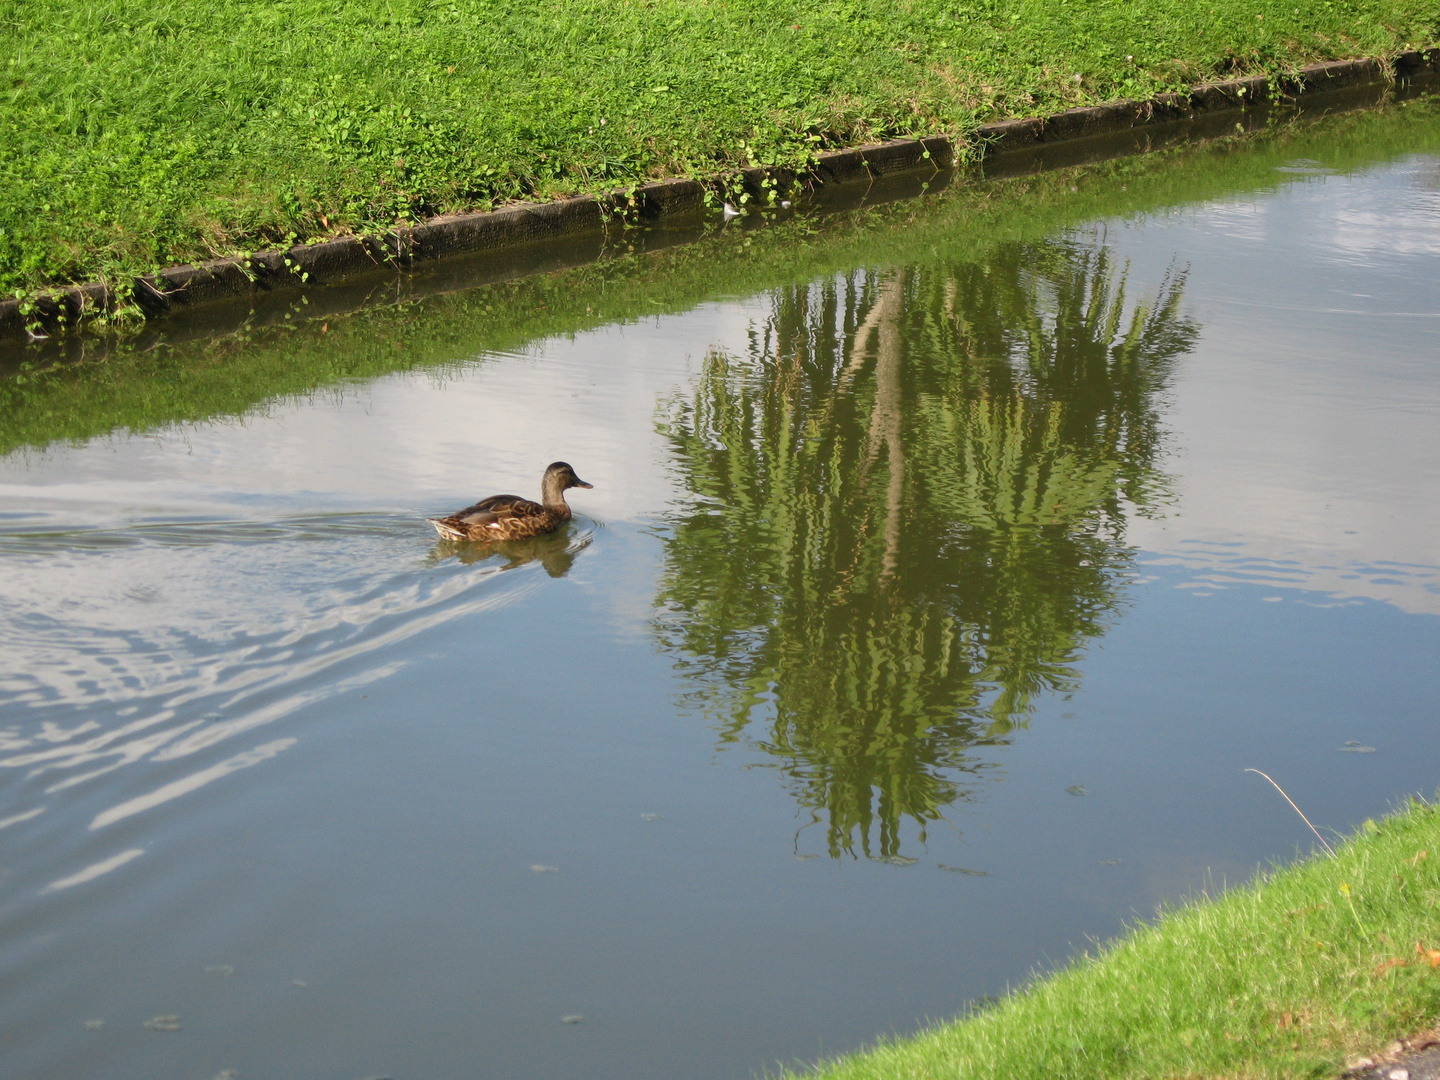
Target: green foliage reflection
x: 908, y: 517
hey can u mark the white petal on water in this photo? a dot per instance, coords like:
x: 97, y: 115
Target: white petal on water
x: 540, y: 868
x: 1109, y: 862
x: 571, y: 1018
x: 1076, y: 789
x: 301, y: 983
x: 94, y: 1025
x: 219, y: 969
x: 649, y: 817
x: 1355, y: 748
x: 163, y: 1022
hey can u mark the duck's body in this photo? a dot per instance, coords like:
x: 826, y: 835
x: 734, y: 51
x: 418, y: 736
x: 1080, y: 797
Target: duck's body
x: 509, y: 517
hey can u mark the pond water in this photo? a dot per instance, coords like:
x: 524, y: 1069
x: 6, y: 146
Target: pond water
x: 947, y: 562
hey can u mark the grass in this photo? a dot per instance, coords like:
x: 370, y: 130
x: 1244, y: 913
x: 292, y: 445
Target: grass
x: 1290, y: 976
x: 138, y: 387
x: 141, y: 133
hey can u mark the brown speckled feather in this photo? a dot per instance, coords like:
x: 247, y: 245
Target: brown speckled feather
x: 509, y: 517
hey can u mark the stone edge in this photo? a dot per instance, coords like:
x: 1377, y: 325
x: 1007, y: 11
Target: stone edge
x: 511, y: 226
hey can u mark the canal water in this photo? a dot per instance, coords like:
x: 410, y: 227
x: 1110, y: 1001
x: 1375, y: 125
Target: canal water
x: 947, y: 562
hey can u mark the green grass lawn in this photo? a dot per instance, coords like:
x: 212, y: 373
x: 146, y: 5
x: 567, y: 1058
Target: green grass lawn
x: 140, y: 133
x: 1287, y: 977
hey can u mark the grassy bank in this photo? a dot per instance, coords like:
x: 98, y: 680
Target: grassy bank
x: 139, y: 387
x: 141, y: 133
x: 1288, y: 977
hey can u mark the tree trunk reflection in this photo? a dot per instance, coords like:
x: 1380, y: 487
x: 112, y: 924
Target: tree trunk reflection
x: 871, y: 633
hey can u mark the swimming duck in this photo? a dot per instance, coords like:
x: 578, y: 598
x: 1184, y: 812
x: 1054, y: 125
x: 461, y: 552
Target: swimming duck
x: 509, y: 517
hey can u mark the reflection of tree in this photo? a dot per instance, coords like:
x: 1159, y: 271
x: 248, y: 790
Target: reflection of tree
x: 908, y: 516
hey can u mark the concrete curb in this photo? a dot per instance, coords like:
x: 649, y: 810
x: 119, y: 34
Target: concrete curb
x: 513, y: 226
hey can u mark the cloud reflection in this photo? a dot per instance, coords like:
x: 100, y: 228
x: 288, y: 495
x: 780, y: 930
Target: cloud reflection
x: 95, y: 870
x: 243, y: 625
x: 190, y: 783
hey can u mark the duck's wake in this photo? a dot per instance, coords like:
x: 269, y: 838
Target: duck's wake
x: 187, y: 650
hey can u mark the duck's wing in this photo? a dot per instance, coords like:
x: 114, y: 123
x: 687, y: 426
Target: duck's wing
x: 498, y: 508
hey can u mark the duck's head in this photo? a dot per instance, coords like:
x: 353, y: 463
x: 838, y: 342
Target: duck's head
x: 560, y: 476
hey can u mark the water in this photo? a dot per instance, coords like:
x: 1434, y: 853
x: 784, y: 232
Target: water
x: 947, y: 562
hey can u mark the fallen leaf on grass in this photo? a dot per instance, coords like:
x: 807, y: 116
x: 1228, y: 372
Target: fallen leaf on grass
x: 1384, y: 966
x: 1420, y: 856
x: 1432, y: 955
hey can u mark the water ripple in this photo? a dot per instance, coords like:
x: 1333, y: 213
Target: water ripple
x: 158, y: 640
x: 1218, y: 565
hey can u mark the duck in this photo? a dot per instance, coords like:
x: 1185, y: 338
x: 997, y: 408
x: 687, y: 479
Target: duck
x: 510, y: 517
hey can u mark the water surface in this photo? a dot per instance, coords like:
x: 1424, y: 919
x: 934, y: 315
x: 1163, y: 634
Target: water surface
x: 947, y: 562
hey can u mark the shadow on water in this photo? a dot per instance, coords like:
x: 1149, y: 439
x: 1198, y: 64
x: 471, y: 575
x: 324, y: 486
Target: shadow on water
x: 556, y: 552
x: 908, y: 517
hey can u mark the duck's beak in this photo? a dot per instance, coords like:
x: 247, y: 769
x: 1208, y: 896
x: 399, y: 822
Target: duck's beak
x: 582, y: 483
